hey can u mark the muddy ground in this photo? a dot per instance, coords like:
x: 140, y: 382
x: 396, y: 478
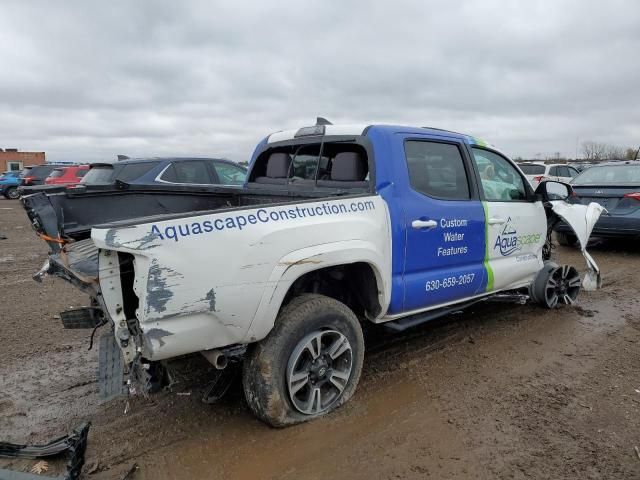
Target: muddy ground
x: 501, y: 391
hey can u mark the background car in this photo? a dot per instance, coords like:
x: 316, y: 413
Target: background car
x: 537, y: 172
x: 172, y: 171
x: 67, y: 175
x: 615, y: 186
x: 9, y: 182
x: 36, y: 174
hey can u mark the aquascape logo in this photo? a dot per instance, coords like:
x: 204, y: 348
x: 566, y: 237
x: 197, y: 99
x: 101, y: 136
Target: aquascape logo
x: 509, y: 241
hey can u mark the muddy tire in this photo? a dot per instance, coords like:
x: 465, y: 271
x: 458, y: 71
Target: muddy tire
x: 12, y: 193
x: 566, y: 239
x: 536, y: 289
x: 308, y: 365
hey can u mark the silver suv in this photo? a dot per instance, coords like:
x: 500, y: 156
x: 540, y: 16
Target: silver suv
x: 537, y: 172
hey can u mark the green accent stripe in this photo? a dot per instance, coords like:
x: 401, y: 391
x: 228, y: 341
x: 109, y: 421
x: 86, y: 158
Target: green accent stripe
x: 481, y: 142
x: 487, y: 266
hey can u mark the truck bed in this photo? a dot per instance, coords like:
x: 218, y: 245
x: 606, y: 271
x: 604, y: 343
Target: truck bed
x: 64, y: 218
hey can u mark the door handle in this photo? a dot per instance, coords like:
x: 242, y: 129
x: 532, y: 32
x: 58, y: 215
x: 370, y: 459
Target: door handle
x: 420, y: 224
x: 496, y: 221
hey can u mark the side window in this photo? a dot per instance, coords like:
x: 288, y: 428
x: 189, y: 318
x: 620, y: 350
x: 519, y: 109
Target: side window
x: 229, y: 174
x: 190, y: 171
x: 554, y: 172
x: 501, y: 181
x: 133, y: 171
x: 573, y: 172
x: 437, y: 170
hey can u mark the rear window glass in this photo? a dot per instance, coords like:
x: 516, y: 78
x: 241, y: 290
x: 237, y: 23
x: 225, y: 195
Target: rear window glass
x: 305, y: 162
x: 40, y: 171
x: 342, y: 163
x: 610, y: 174
x: 58, y: 172
x: 102, y: 174
x: 532, y: 169
x: 133, y: 171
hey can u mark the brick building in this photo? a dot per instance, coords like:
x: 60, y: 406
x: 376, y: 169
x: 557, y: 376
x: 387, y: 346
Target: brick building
x: 12, y: 159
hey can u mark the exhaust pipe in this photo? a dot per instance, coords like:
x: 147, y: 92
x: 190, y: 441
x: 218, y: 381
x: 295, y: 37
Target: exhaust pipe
x: 216, y: 358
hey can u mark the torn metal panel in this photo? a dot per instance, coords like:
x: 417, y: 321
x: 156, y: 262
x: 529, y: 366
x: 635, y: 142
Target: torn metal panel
x: 44, y: 219
x: 77, y: 263
x: 582, y: 219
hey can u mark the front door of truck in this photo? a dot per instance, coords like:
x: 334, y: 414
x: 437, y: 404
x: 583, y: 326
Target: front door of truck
x: 516, y: 222
x: 443, y: 225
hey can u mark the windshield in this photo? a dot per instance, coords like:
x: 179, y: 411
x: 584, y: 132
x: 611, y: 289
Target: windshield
x: 610, y: 174
x: 102, y: 174
x: 532, y: 169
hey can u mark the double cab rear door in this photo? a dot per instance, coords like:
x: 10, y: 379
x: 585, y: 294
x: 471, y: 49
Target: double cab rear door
x: 470, y: 223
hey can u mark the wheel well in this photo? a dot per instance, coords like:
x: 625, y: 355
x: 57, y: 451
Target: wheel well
x: 353, y: 284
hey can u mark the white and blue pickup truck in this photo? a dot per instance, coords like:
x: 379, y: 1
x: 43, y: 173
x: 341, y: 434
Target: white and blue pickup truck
x: 336, y: 225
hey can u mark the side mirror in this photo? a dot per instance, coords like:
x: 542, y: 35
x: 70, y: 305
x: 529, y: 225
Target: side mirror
x: 552, y: 190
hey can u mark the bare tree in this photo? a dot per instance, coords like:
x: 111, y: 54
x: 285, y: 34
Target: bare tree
x: 630, y: 154
x: 594, y: 150
x: 614, y: 153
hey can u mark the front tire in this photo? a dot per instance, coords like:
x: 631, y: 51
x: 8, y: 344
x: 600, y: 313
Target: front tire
x: 555, y: 285
x: 308, y: 365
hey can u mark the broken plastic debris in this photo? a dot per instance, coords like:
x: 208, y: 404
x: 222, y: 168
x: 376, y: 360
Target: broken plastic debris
x: 582, y: 219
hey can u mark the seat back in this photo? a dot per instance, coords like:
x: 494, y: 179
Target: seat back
x: 278, y: 167
x: 348, y: 170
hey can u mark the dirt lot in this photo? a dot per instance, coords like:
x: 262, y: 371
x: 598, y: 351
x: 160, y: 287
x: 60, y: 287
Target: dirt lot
x: 502, y: 391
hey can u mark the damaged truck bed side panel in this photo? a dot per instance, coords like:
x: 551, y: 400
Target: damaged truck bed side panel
x: 209, y: 286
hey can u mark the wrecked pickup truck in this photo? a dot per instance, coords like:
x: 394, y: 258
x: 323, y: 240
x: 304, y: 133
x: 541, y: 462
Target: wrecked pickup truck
x: 335, y: 226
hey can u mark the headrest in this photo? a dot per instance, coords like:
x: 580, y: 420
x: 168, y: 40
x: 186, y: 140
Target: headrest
x: 348, y: 167
x: 278, y: 165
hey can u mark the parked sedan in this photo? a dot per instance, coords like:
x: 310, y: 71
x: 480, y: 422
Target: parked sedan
x: 159, y: 171
x: 9, y: 182
x: 615, y: 186
x: 537, y: 172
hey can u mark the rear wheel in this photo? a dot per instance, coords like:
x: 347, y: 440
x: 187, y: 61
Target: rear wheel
x: 12, y: 193
x: 308, y: 365
x: 566, y: 239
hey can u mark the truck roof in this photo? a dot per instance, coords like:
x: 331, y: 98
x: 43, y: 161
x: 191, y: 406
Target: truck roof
x: 361, y: 129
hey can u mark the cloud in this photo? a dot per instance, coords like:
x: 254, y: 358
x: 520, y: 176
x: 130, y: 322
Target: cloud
x: 85, y: 81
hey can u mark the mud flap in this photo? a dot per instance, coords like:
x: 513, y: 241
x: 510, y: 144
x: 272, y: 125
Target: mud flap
x: 582, y: 219
x: 110, y: 368
x: 87, y: 317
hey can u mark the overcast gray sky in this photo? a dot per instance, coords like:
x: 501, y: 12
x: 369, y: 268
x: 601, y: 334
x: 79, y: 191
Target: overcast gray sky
x: 86, y: 80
